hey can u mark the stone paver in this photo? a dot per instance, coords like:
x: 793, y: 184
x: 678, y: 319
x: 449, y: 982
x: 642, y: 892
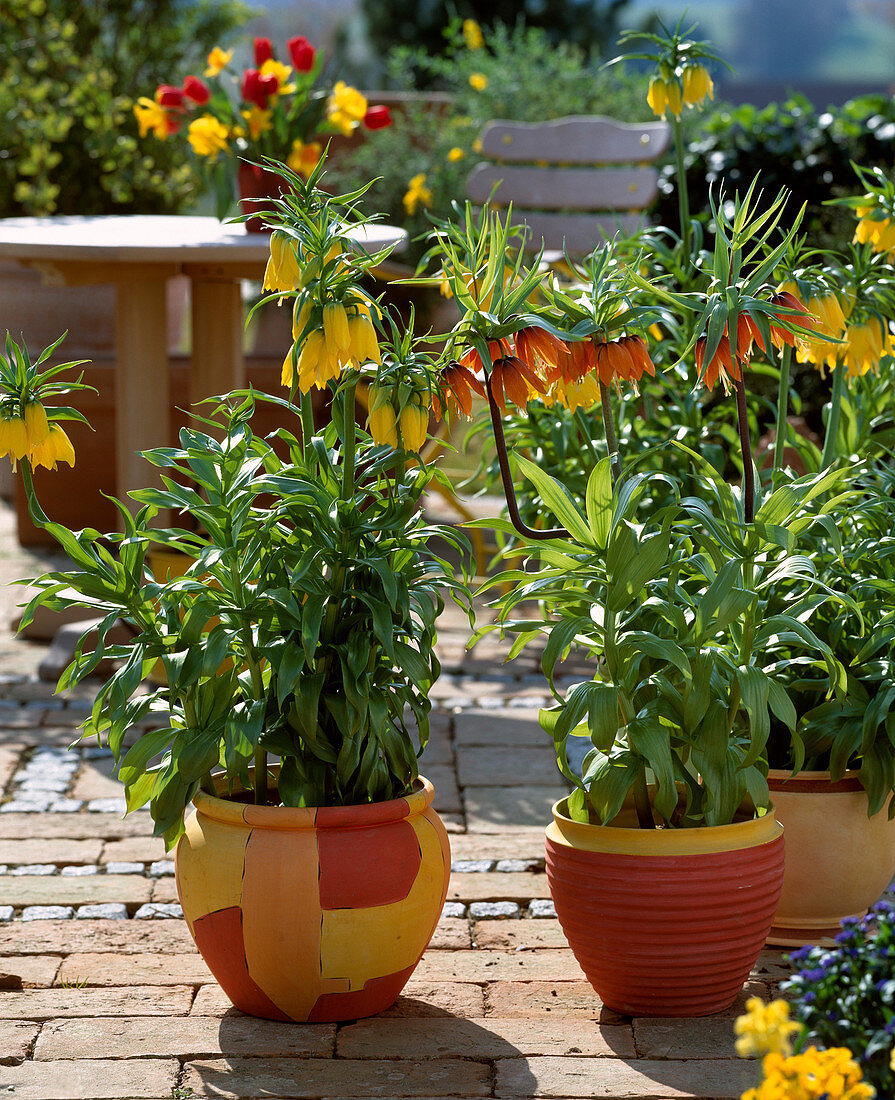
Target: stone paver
x: 105, y: 996
x: 639, y: 1079
x: 193, y: 1037
x: 488, y: 1038
x: 315, y: 1077
x: 95, y: 1079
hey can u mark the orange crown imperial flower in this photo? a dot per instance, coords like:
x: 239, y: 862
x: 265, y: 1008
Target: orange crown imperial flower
x: 459, y: 384
x: 721, y: 365
x: 540, y: 350
x: 511, y: 379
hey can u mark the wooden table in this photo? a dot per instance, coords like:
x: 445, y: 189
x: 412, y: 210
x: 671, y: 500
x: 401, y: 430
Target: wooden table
x: 139, y: 253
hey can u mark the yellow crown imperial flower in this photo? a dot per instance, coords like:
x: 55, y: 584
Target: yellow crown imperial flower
x: 287, y: 374
x: 865, y: 347
x: 381, y: 419
x: 657, y: 96
x: 13, y: 438
x: 36, y: 423
x: 57, y: 447
x: 414, y: 423
x: 301, y: 314
x: 283, y: 270
x: 697, y: 85
x: 364, y: 345
x: 335, y: 329
x: 316, y: 366
x: 673, y: 95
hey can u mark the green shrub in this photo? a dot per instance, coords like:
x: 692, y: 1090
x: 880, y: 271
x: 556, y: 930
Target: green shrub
x: 69, y: 75
x: 791, y: 145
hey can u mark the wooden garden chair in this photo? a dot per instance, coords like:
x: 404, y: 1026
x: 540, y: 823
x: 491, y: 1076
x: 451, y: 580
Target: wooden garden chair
x: 575, y: 182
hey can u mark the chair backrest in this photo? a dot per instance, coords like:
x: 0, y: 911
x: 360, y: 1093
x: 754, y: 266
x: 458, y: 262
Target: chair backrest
x: 577, y: 180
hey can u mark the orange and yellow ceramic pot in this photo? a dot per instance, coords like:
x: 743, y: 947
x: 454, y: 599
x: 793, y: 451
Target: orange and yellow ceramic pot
x: 313, y: 914
x: 838, y: 860
x: 665, y: 922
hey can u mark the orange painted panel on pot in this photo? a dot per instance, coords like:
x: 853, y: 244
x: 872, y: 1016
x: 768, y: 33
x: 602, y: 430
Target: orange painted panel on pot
x: 665, y: 935
x: 838, y: 861
x: 296, y: 943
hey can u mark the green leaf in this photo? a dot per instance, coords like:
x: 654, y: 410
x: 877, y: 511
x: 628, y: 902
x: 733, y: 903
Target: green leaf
x: 555, y: 495
x: 630, y: 577
x: 652, y: 741
x: 598, y: 501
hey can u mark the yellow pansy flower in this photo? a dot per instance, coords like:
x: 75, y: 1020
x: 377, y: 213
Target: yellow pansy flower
x: 151, y: 116
x: 478, y: 81
x: 417, y: 194
x: 281, y: 72
x: 455, y: 154
x: 303, y: 158
x: 207, y: 136
x: 258, y: 121
x: 764, y: 1029
x: 472, y: 35
x: 345, y: 108
x: 218, y: 59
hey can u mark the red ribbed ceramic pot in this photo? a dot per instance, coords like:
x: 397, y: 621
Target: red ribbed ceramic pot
x: 665, y: 922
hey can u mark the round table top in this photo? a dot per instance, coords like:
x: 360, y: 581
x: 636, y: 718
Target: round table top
x: 153, y: 238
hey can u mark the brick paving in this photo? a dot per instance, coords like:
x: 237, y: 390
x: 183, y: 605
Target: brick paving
x: 104, y: 997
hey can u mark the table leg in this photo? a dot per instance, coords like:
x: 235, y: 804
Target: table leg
x: 218, y: 365
x: 143, y: 412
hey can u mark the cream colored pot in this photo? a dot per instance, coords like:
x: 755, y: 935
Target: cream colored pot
x: 838, y: 861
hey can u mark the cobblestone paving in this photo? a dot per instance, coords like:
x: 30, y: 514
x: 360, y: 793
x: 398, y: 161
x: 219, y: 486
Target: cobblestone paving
x: 103, y: 995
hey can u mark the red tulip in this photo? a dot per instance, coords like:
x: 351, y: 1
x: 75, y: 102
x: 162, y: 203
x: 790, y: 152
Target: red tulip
x: 377, y: 118
x: 196, y: 90
x: 263, y: 51
x: 166, y: 95
x: 257, y: 88
x: 302, y: 53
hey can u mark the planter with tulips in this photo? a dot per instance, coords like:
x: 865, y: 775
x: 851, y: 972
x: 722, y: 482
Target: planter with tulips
x: 297, y: 647
x: 279, y: 112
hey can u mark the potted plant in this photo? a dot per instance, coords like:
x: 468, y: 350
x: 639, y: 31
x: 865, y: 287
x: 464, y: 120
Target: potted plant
x: 665, y: 863
x: 297, y: 646
x: 834, y: 777
x: 279, y: 112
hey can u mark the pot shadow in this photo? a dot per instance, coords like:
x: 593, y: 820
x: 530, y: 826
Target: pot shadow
x: 413, y: 1048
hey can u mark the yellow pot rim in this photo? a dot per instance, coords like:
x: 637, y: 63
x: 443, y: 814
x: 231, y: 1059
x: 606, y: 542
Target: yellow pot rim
x: 621, y: 840
x: 314, y: 817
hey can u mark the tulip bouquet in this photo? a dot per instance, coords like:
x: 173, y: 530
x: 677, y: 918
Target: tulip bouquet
x: 279, y: 111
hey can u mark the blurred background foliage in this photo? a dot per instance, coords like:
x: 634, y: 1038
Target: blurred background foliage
x: 70, y: 71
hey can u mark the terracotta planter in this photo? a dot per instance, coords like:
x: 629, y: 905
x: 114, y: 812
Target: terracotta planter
x: 665, y: 922
x: 838, y: 861
x: 313, y: 914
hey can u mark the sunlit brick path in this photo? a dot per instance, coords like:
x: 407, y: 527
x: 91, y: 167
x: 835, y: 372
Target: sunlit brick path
x: 102, y: 994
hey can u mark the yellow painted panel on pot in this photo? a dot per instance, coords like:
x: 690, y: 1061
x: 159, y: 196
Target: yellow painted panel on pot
x: 207, y: 885
x: 380, y: 940
x: 281, y: 921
